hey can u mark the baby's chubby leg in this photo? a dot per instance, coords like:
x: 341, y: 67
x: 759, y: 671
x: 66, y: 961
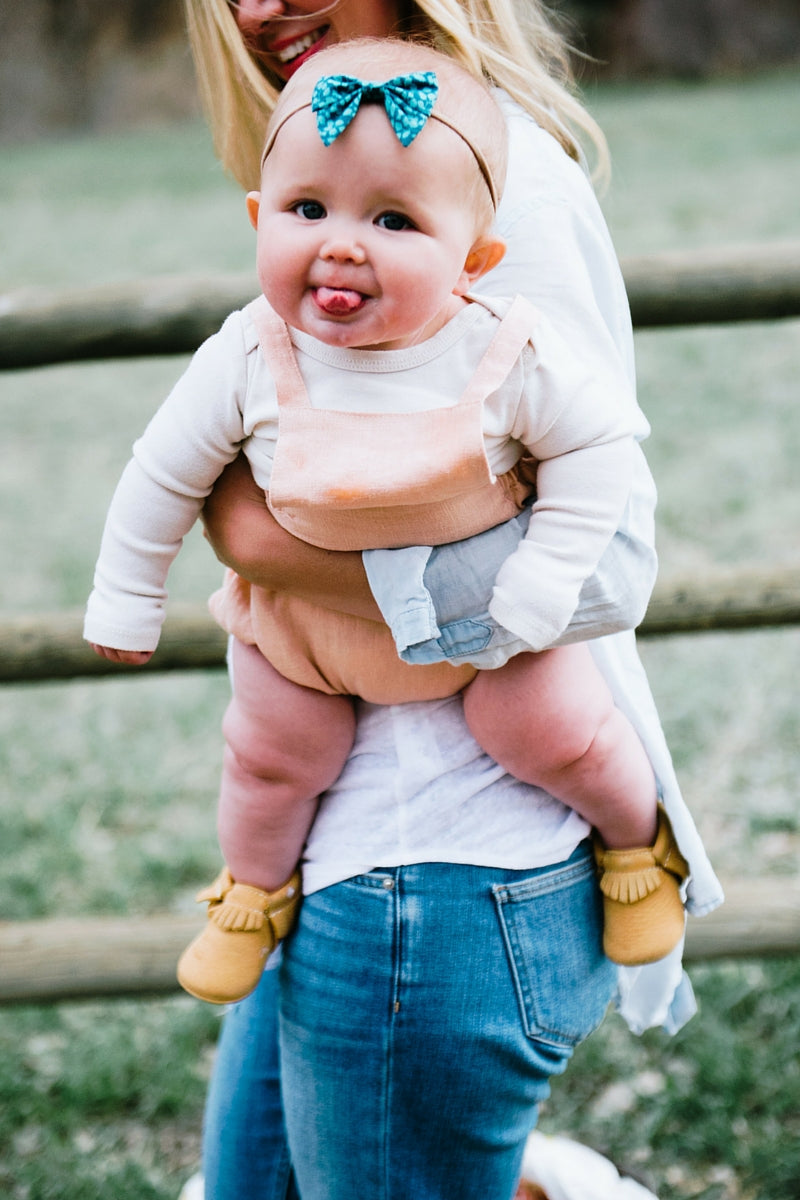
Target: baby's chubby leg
x: 550, y: 720
x: 285, y: 744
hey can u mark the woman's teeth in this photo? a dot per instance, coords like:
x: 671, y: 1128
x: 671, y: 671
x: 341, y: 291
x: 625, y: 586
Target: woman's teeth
x: 287, y: 53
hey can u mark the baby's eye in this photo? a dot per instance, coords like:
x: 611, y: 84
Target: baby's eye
x: 394, y: 221
x: 310, y: 210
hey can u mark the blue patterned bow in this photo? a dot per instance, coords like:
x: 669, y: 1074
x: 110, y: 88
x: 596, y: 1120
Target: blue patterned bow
x: 408, y: 100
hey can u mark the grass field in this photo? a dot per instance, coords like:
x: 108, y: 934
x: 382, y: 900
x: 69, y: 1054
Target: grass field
x: 107, y: 799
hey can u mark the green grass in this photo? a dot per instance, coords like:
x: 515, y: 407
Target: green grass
x: 107, y: 801
x: 99, y: 1101
x: 699, y: 165
x: 714, y: 1112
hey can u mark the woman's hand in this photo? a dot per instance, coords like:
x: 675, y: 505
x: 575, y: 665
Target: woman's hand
x: 246, y: 537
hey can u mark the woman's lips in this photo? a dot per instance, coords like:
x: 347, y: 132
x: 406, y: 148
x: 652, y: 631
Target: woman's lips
x: 338, y: 302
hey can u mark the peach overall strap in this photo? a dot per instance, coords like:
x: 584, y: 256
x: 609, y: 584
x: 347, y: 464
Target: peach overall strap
x: 502, y: 352
x: 276, y: 346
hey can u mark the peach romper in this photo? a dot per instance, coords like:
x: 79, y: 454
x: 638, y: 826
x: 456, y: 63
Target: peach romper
x: 358, y: 481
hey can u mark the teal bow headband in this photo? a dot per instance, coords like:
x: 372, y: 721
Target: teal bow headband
x: 408, y: 100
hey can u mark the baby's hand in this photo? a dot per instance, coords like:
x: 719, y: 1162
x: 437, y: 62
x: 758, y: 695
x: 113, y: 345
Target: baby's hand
x: 131, y: 658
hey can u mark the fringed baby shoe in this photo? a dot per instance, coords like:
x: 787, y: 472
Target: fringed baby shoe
x: 642, y: 904
x: 224, y: 963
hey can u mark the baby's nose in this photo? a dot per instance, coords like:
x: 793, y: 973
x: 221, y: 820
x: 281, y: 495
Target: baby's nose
x: 343, y: 248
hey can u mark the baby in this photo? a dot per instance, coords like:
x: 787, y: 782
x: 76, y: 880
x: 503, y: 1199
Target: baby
x: 380, y: 405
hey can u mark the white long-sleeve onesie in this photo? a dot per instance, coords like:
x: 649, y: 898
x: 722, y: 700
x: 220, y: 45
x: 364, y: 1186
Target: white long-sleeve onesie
x: 574, y: 421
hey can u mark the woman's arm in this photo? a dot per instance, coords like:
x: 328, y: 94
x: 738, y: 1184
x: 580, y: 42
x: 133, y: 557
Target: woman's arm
x: 246, y: 537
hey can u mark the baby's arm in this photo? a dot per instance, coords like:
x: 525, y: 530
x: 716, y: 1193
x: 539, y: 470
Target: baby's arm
x: 575, y: 421
x: 560, y: 256
x: 145, y: 526
x: 193, y: 435
x: 581, y: 495
x: 436, y: 599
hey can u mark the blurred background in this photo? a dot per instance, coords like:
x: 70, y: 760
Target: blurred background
x: 87, y: 64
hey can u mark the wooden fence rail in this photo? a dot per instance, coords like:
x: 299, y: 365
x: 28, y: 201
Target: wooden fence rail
x: 172, y: 315
x: 34, y: 649
x: 88, y: 958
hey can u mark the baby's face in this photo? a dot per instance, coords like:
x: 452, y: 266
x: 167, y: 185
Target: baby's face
x: 364, y: 243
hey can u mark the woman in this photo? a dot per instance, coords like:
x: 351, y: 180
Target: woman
x: 447, y: 958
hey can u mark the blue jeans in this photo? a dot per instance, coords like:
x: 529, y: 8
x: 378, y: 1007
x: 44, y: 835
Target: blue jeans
x: 245, y: 1153
x: 423, y: 1011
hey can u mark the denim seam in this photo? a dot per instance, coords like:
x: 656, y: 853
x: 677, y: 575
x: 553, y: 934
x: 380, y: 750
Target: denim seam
x: 547, y: 882
x: 284, y: 1175
x: 397, y: 953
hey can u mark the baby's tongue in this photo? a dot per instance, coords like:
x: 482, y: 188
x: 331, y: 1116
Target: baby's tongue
x: 338, y: 300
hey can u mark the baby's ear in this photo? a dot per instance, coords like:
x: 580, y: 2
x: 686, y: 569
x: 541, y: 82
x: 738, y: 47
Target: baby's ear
x: 485, y: 254
x: 253, y: 200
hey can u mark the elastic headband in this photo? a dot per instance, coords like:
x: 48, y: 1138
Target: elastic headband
x: 407, y: 99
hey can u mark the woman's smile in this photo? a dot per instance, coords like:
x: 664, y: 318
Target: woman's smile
x: 291, y: 53
x: 284, y: 35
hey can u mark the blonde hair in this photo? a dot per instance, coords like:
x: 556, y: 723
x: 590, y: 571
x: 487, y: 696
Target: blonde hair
x: 463, y: 103
x: 511, y: 43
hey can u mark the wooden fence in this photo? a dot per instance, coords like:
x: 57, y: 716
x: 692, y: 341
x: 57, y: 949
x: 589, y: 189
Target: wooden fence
x: 44, y: 961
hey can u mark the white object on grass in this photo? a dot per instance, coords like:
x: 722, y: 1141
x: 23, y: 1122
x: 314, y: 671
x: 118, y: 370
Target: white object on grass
x: 193, y: 1189
x: 567, y: 1170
